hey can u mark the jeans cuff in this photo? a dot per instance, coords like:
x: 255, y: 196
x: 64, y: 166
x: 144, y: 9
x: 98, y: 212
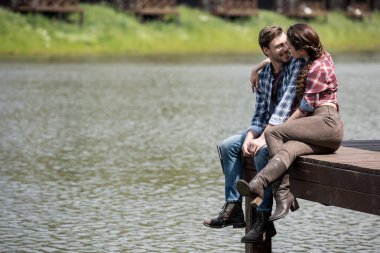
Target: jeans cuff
x: 234, y: 201
x: 260, y: 209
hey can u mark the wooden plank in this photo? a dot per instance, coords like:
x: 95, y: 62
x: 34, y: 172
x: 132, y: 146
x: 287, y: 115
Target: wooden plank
x: 372, y: 145
x: 350, y: 179
x: 50, y: 9
x: 336, y: 177
x: 49, y: 6
x: 334, y: 186
x: 353, y: 158
x: 334, y: 196
x: 61, y: 6
x: 157, y: 11
x: 152, y: 8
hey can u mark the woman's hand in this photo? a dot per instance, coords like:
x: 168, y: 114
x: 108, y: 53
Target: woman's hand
x: 257, y: 144
x: 254, y: 79
x: 255, y: 73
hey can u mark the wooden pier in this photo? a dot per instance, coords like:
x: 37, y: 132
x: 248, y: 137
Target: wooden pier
x: 349, y: 178
x: 305, y: 9
x: 233, y: 8
x: 58, y: 7
x: 152, y: 8
x: 358, y: 9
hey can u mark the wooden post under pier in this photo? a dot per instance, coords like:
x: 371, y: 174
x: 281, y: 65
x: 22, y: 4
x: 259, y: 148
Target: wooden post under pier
x: 344, y: 179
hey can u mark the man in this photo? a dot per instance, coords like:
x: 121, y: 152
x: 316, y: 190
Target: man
x: 274, y: 101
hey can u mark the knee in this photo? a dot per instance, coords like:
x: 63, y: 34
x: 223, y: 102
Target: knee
x: 225, y: 144
x: 261, y: 158
x: 263, y: 153
x: 270, y: 133
x: 231, y: 143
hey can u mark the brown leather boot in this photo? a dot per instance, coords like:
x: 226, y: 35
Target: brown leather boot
x: 262, y: 229
x: 285, y: 200
x: 231, y: 214
x: 273, y: 170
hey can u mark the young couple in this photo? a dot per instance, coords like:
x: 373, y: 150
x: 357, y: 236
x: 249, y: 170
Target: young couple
x: 296, y: 114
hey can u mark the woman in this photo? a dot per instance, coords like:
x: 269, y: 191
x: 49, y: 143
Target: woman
x: 314, y: 127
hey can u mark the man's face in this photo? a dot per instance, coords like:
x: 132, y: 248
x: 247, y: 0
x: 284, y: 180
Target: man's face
x: 278, y: 50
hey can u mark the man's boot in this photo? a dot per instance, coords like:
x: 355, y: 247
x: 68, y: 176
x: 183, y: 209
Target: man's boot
x: 231, y: 214
x: 273, y: 170
x: 262, y: 229
x: 285, y: 200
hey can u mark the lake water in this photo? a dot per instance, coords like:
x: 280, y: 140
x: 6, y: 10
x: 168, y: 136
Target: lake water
x: 120, y: 156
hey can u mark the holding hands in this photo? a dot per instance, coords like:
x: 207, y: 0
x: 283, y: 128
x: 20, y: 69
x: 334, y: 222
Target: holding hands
x: 251, y: 145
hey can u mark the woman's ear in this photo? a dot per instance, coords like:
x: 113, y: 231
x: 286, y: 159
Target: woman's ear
x: 304, y: 53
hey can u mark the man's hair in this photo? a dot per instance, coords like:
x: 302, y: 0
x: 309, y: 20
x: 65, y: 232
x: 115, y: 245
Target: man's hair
x: 267, y: 34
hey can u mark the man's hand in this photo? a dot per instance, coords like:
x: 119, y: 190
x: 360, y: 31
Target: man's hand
x: 247, y: 143
x: 245, y: 147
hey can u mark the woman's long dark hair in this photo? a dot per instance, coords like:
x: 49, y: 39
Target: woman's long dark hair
x: 302, y: 36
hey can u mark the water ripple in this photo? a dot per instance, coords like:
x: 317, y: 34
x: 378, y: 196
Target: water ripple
x: 121, y: 157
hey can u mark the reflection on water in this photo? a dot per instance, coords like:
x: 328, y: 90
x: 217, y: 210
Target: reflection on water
x: 121, y: 157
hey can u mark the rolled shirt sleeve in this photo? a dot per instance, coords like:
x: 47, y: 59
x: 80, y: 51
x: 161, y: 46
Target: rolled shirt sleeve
x: 320, y: 85
x: 305, y: 106
x: 261, y: 114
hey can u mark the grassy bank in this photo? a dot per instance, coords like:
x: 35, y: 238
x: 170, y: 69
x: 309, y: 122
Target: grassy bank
x: 108, y: 32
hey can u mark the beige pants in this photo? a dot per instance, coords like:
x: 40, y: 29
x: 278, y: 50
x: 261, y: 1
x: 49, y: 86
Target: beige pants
x: 320, y: 133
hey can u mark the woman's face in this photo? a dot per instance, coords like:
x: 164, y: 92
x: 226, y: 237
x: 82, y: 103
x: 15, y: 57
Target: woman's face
x: 296, y: 53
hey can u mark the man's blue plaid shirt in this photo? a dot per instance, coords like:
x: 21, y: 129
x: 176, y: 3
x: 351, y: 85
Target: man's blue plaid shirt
x: 266, y: 112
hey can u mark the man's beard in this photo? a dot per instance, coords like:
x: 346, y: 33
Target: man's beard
x: 282, y: 58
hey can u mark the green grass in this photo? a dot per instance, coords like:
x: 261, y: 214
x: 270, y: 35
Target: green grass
x: 109, y: 32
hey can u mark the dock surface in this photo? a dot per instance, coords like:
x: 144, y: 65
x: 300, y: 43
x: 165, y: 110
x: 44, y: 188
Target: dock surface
x: 349, y: 178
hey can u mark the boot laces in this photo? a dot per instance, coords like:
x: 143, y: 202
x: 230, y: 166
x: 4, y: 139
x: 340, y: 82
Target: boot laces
x: 224, y: 209
x: 259, y: 222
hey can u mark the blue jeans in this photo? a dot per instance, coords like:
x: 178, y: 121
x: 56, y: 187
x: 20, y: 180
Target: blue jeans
x: 233, y: 169
x: 261, y: 160
x: 232, y: 165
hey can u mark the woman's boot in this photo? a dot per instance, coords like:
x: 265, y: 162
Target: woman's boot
x: 273, y: 170
x: 285, y: 200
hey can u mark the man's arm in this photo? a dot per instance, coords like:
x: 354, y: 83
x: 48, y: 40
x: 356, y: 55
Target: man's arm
x: 261, y: 114
x: 298, y: 114
x: 259, y: 118
x: 246, y: 148
x: 284, y: 107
